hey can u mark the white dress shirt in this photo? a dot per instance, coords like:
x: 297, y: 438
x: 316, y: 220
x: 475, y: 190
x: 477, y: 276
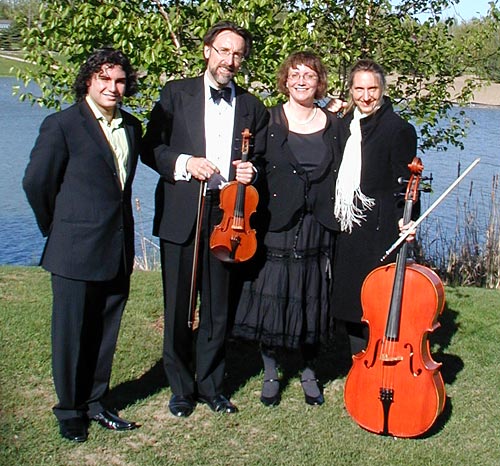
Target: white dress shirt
x: 219, y: 125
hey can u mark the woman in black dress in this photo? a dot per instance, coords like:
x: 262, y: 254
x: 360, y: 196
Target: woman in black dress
x: 285, y: 302
x: 379, y: 147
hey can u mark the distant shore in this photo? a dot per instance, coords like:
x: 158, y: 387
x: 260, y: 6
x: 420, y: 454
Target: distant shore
x: 488, y: 95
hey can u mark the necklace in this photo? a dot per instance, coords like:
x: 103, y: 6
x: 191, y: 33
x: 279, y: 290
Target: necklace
x: 311, y: 118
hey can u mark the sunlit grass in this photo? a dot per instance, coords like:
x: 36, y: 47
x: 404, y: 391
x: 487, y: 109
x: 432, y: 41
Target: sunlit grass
x: 9, y: 66
x: 291, y: 434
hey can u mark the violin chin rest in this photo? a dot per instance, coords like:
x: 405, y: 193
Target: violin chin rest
x: 223, y: 254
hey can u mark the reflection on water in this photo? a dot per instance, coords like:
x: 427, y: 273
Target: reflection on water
x: 22, y: 242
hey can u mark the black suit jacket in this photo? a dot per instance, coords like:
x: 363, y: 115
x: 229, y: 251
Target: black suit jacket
x: 288, y: 188
x: 177, y: 127
x: 73, y: 188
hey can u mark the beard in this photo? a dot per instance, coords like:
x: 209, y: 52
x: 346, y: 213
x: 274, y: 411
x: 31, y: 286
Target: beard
x: 222, y: 75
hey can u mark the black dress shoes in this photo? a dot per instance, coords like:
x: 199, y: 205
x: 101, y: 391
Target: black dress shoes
x: 218, y: 404
x: 111, y: 421
x: 314, y: 400
x: 312, y: 385
x: 181, y: 406
x: 74, y: 429
x: 271, y: 388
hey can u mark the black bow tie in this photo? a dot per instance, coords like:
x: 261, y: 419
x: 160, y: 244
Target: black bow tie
x: 217, y: 94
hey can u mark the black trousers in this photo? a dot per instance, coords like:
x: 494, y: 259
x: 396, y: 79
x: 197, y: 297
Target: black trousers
x: 86, y: 319
x: 194, y: 362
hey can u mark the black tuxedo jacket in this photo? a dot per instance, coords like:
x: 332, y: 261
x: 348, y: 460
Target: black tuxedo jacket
x: 177, y: 127
x: 73, y: 188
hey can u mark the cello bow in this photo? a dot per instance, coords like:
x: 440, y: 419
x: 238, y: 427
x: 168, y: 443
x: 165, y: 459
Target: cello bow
x: 429, y: 210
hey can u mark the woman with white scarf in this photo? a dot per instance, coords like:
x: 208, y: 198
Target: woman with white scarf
x: 379, y: 147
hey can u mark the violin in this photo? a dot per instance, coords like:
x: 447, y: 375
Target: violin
x: 394, y: 386
x: 233, y: 240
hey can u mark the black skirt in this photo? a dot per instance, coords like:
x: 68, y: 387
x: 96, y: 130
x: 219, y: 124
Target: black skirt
x: 287, y: 303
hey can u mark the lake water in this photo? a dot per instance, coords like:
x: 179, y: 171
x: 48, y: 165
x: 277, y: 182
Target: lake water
x: 22, y: 243
x: 20, y: 239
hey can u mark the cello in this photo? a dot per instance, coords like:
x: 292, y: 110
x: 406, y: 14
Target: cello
x: 233, y: 240
x: 394, y: 386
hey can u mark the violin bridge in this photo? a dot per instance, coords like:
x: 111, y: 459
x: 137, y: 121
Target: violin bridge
x: 390, y: 357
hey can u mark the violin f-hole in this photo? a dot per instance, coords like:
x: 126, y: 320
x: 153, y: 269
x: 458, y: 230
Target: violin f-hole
x: 233, y: 240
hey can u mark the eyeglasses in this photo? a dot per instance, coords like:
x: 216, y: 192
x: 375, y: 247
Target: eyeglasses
x: 308, y: 77
x: 226, y: 53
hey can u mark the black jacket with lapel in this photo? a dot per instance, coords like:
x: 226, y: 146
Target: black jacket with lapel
x: 177, y: 127
x: 72, y: 185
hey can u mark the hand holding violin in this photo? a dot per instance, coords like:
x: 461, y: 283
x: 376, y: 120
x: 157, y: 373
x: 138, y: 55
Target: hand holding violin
x: 245, y: 172
x: 234, y: 240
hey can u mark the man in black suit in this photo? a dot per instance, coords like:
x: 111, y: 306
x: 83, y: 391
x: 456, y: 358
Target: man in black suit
x: 194, y: 136
x: 78, y: 182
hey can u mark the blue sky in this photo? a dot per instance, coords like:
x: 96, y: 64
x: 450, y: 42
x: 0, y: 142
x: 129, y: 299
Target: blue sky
x: 467, y: 9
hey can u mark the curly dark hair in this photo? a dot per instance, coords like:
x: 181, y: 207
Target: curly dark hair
x: 309, y: 59
x: 217, y: 28
x: 93, y: 64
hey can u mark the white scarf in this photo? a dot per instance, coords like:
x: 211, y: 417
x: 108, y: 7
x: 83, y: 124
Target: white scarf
x: 350, y: 202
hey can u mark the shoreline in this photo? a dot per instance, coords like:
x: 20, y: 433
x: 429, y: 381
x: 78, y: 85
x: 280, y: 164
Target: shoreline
x: 485, y: 96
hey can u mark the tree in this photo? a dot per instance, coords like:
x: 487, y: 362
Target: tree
x: 482, y: 40
x: 22, y: 13
x: 164, y: 40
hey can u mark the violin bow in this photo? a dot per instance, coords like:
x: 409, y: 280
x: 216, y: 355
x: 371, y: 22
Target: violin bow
x: 199, y: 217
x: 430, y: 209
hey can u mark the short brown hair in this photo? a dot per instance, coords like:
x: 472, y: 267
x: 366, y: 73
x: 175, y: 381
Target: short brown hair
x: 309, y: 59
x: 217, y: 28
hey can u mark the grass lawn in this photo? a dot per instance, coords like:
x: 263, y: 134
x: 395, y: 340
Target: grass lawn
x: 292, y: 434
x: 9, y: 66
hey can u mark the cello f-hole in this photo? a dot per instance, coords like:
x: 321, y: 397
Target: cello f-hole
x: 411, y: 359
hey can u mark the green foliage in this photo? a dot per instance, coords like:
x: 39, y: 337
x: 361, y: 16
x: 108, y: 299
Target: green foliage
x: 164, y: 41
x: 5, y: 10
x: 10, y: 65
x: 481, y: 43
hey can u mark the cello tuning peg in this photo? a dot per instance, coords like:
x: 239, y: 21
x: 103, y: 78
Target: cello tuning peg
x: 402, y: 180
